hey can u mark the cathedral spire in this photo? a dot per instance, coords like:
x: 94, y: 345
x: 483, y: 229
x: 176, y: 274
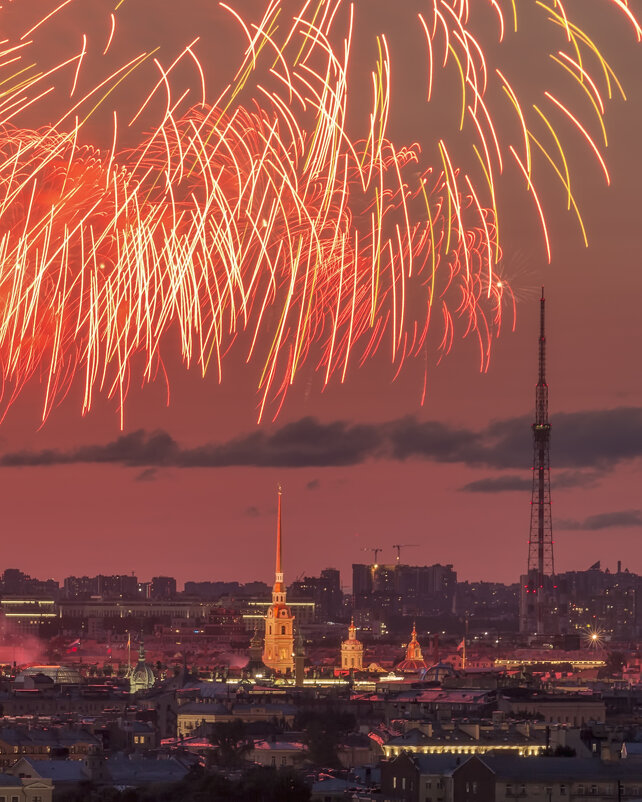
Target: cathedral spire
x: 278, y: 579
x: 279, y: 638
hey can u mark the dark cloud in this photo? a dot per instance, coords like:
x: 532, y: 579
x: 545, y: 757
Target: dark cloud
x: 595, y: 440
x: 148, y: 475
x: 566, y: 479
x: 604, y: 520
x: 252, y: 512
x: 598, y: 439
x: 498, y: 484
x: 136, y: 449
x: 514, y: 482
x: 313, y: 484
x: 305, y: 443
x: 433, y: 441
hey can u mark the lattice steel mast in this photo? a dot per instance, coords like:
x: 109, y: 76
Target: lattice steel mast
x: 540, y: 544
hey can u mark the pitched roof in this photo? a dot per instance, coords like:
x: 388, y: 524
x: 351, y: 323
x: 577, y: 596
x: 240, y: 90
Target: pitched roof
x: 59, y: 770
x: 561, y: 769
x: 144, y: 771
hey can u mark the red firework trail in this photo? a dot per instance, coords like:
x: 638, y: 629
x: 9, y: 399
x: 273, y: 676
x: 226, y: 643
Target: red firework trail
x: 263, y: 223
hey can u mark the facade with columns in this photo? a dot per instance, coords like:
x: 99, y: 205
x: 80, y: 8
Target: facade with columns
x: 278, y: 649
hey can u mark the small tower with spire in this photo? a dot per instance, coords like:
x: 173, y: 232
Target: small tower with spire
x: 414, y: 658
x: 279, y: 622
x: 352, y: 651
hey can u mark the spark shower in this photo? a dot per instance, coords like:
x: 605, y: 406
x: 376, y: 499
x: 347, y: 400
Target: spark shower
x: 266, y: 220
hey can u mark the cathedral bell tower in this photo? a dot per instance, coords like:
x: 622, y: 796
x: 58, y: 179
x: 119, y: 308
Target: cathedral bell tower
x: 279, y: 635
x: 352, y: 651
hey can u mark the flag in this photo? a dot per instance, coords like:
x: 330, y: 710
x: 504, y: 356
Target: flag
x: 462, y: 645
x: 73, y: 647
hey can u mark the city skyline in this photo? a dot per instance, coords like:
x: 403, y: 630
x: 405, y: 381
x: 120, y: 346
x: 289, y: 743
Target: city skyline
x: 363, y: 464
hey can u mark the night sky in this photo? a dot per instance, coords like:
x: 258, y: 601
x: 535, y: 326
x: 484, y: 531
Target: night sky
x: 189, y: 489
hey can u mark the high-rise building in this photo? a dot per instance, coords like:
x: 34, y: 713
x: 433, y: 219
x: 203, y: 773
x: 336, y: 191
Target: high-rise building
x: 163, y: 587
x: 324, y: 591
x: 278, y: 649
x: 15, y: 583
x: 118, y: 586
x: 403, y: 590
x: 361, y: 582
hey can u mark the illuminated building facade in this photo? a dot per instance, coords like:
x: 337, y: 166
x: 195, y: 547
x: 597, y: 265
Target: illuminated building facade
x: 278, y: 646
x: 414, y: 658
x: 142, y: 677
x: 352, y: 651
x: 403, y: 590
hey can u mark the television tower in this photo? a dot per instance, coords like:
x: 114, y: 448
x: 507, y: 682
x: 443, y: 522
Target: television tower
x: 540, y: 544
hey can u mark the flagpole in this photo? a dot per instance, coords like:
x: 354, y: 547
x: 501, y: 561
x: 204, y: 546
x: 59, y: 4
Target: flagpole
x: 463, y: 661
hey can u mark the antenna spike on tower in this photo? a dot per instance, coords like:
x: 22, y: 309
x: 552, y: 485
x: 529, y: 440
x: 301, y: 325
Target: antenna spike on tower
x: 542, y: 339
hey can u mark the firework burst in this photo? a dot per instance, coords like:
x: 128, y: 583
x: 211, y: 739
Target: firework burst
x: 257, y: 215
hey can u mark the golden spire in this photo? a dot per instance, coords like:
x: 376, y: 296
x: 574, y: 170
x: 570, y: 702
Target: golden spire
x: 278, y: 582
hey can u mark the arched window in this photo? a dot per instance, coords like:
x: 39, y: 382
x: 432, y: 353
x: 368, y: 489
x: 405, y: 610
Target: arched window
x: 270, y: 629
x: 282, y: 630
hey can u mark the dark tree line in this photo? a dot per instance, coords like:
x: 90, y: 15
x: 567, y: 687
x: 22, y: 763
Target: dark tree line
x: 257, y: 784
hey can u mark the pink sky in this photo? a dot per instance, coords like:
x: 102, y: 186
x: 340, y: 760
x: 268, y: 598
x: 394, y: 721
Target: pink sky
x: 218, y: 523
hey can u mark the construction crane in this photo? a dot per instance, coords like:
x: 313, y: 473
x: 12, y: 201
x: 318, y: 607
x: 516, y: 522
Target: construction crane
x: 374, y: 551
x: 403, y: 546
